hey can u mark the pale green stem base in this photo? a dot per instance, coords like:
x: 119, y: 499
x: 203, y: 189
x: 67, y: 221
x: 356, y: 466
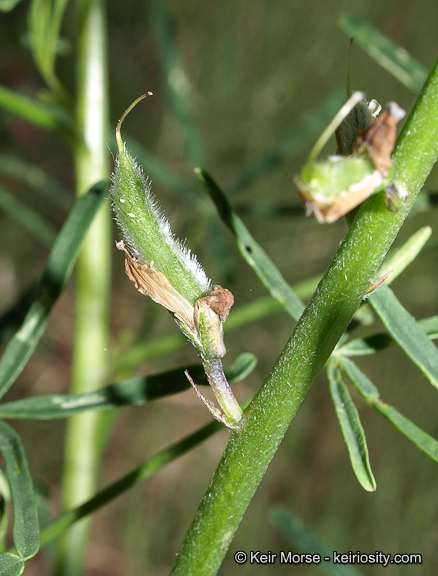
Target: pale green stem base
x: 83, y: 442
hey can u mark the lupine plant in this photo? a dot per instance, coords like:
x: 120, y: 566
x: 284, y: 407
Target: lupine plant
x: 374, y: 180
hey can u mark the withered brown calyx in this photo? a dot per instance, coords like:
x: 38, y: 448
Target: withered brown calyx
x: 379, y: 139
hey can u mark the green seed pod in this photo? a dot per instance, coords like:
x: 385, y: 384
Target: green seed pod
x: 145, y: 230
x: 333, y: 187
x: 162, y: 268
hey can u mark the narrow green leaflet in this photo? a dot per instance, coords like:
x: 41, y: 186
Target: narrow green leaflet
x: 241, y: 367
x: 130, y: 392
x: 25, y: 530
x: 430, y: 326
x: 370, y: 394
x: 13, y: 318
x: 298, y: 534
x: 11, y: 565
x: 27, y: 217
x: 351, y: 427
x: 382, y: 340
x: 51, y: 118
x: 365, y: 346
x: 45, y: 25
x: 265, y: 269
x: 387, y: 54
x: 406, y: 332
x: 398, y: 260
x: 55, y: 276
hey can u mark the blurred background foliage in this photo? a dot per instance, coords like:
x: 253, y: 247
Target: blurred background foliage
x: 249, y: 74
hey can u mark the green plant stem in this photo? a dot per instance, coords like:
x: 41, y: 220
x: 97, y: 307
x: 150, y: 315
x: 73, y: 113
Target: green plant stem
x: 83, y: 443
x: 337, y: 297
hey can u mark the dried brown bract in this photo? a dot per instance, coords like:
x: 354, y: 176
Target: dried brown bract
x: 379, y: 139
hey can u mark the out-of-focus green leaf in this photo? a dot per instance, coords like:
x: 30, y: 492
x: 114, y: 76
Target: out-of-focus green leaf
x: 178, y: 84
x: 11, y: 565
x: 130, y: 392
x: 309, y: 127
x: 37, y: 179
x: 26, y: 529
x: 8, y: 5
x: 263, y: 266
x: 406, y: 332
x: 241, y: 368
x: 387, y: 54
x: 365, y: 346
x: 370, y: 394
x: 400, y: 259
x: 143, y: 472
x: 14, y: 317
x: 27, y: 217
x: 51, y: 118
x: 298, y: 534
x: 378, y: 342
x: 60, y: 264
x: 351, y: 427
x: 430, y: 326
x: 5, y: 498
x: 45, y: 24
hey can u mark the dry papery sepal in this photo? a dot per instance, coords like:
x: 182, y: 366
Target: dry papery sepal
x: 163, y: 268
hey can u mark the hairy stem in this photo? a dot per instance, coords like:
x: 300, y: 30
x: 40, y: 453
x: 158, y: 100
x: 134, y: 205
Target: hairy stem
x: 337, y: 297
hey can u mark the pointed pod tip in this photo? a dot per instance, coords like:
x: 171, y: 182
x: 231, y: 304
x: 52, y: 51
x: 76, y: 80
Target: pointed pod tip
x: 120, y: 145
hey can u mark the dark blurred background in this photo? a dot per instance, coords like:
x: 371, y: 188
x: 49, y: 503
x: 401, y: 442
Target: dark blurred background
x: 250, y: 73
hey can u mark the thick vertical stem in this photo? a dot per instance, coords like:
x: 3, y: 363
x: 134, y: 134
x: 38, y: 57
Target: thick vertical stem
x: 93, y: 280
x: 337, y: 297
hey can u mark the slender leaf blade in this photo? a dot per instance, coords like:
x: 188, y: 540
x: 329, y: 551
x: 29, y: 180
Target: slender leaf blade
x: 377, y: 342
x: 352, y: 429
x: 386, y: 53
x: 365, y: 346
x: 26, y: 528
x: 399, y: 260
x: 262, y: 265
x: 430, y: 326
x: 50, y: 118
x: 130, y: 392
x: 370, y: 394
x: 406, y: 332
x: 60, y: 264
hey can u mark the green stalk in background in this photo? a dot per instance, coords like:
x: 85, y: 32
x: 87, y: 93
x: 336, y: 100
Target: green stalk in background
x: 93, y: 279
x: 337, y: 297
